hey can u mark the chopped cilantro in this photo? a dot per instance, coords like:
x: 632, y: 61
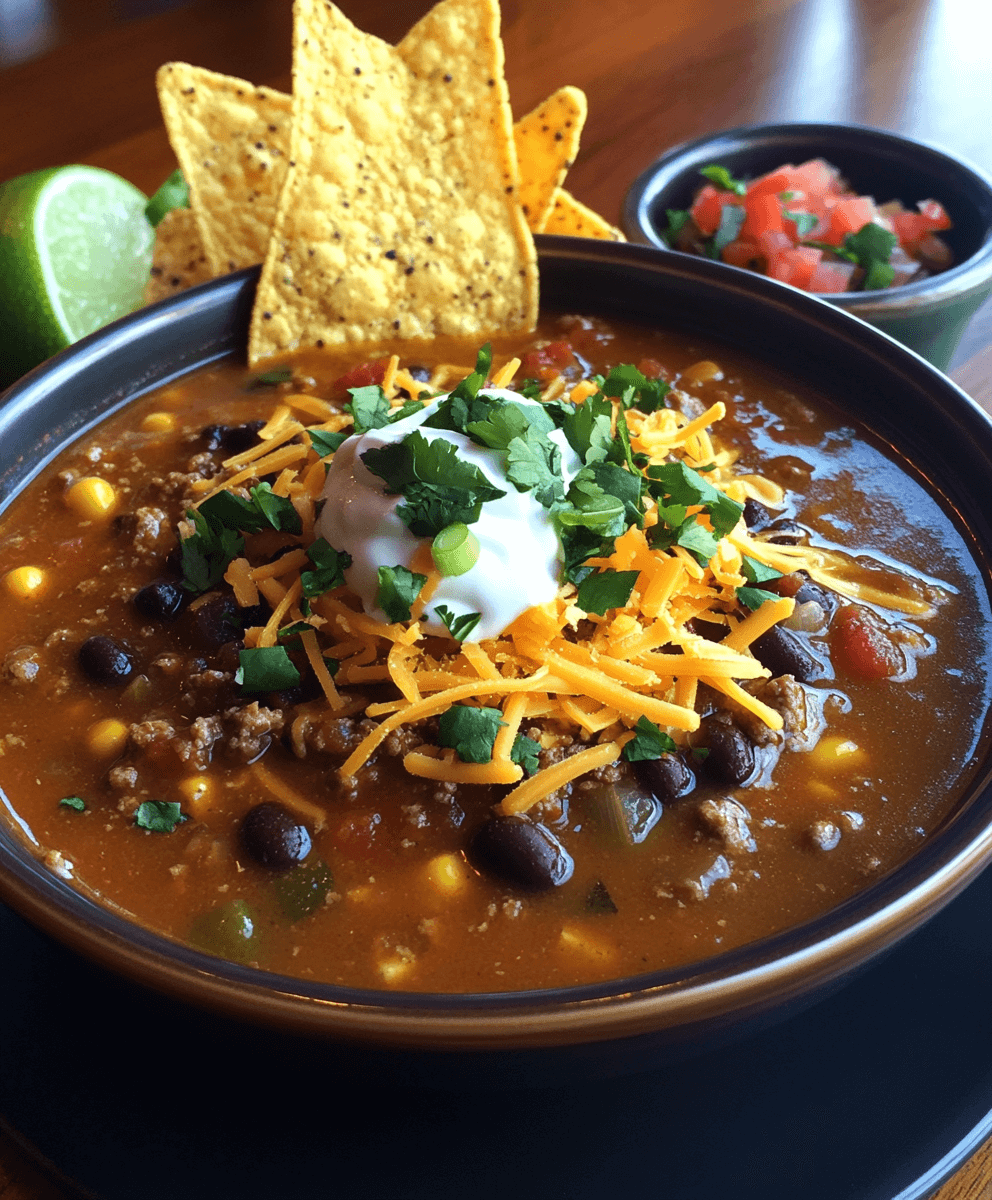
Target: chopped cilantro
x: 331, y: 565
x: 723, y: 179
x: 531, y: 388
x: 464, y: 405
x: 580, y: 542
x: 649, y: 742
x: 698, y: 540
x: 324, y: 441
x: 633, y: 388
x: 398, y: 588
x: 826, y: 247
x: 757, y: 572
x: 589, y: 504
x: 269, y: 378
x: 880, y: 275
x: 732, y: 217
x: 439, y: 487
x: 369, y: 407
x: 677, y: 218
x: 207, y: 552
x: 805, y: 222
x: 266, y: 669
x: 871, y: 244
x: 533, y: 463
x: 470, y: 731
x: 605, y: 590
x: 679, y: 483
x: 458, y: 627
x: 159, y: 816
x: 265, y: 510
x: 506, y: 420
x: 77, y: 803
x: 752, y: 597
x: 525, y: 752
x: 588, y: 429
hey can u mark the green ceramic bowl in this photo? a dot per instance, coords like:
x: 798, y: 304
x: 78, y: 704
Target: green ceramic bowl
x: 929, y: 316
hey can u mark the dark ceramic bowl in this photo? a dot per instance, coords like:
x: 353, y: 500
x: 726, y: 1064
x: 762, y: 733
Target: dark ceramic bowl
x: 929, y: 316
x: 611, y: 1027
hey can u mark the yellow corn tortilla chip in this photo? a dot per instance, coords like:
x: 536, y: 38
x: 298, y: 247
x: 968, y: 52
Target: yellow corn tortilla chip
x: 547, y: 141
x: 178, y: 258
x: 399, y: 217
x: 572, y: 219
x: 232, y: 140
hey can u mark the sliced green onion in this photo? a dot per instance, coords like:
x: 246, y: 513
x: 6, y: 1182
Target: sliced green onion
x: 455, y: 550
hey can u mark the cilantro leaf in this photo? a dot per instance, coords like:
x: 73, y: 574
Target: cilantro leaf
x: 207, y: 553
x: 634, y: 388
x: 331, y: 565
x: 398, y: 588
x: 470, y: 731
x: 268, y: 378
x: 581, y: 542
x: 650, y: 742
x: 531, y: 388
x: 525, y: 752
x: 625, y: 486
x: 265, y: 510
x: 698, y: 540
x: 439, y: 487
x: 679, y: 483
x: 77, y: 803
x: 871, y: 244
x: 605, y: 590
x: 369, y: 407
x: 325, y: 441
x: 506, y: 420
x: 159, y: 816
x: 677, y: 218
x: 589, y: 504
x: 723, y: 179
x: 732, y: 217
x: 458, y: 627
x: 533, y: 463
x: 880, y: 275
x: 826, y: 247
x: 587, y: 429
x: 464, y: 405
x: 752, y: 597
x: 757, y: 572
x: 266, y: 669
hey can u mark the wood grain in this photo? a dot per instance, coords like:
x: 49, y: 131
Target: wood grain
x: 655, y: 74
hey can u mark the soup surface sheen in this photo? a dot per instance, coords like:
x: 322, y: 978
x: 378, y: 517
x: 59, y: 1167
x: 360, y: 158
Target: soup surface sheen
x: 392, y: 893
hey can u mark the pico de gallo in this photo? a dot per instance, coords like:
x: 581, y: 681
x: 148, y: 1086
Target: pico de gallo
x: 803, y: 225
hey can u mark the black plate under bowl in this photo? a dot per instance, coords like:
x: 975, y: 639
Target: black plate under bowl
x: 581, y: 1031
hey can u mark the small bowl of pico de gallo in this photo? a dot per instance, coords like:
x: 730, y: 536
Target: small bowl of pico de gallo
x: 895, y: 231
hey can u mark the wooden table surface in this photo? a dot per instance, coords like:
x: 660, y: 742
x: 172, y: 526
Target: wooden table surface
x: 77, y: 85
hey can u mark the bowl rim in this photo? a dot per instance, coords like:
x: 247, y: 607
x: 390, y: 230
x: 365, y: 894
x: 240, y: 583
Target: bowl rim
x: 816, y: 951
x: 962, y: 278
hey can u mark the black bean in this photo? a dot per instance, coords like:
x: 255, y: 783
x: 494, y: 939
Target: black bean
x: 273, y: 837
x: 233, y: 438
x: 105, y: 661
x: 756, y: 516
x: 666, y: 778
x: 812, y: 591
x: 216, y: 621
x: 162, y: 600
x: 731, y: 755
x: 520, y: 851
x: 783, y: 653
x: 421, y: 374
x: 785, y: 532
x: 308, y: 688
x: 709, y: 630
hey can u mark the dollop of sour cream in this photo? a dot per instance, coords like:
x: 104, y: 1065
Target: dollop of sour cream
x: 520, y: 554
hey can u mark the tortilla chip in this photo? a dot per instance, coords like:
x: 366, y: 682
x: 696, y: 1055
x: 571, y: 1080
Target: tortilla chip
x: 232, y: 141
x: 572, y: 219
x: 178, y: 260
x: 399, y: 217
x: 547, y: 141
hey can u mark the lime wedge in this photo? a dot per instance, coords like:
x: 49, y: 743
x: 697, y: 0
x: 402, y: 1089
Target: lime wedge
x: 75, y: 254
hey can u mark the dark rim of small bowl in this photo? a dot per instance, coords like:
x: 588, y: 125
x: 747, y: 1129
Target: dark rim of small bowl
x: 209, y: 322
x: 677, y: 170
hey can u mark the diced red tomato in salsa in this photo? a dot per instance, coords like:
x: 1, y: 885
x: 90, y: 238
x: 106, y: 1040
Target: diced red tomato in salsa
x: 548, y: 361
x: 861, y: 649
x: 362, y: 376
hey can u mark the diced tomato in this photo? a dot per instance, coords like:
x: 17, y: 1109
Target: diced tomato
x: 650, y: 368
x: 707, y: 208
x: 741, y: 253
x: 547, y: 362
x: 912, y: 227
x: 816, y: 178
x: 362, y: 376
x: 933, y: 212
x: 861, y: 649
x: 764, y: 215
x: 359, y: 835
x: 772, y: 184
x: 831, y: 277
x: 847, y: 216
x: 796, y: 266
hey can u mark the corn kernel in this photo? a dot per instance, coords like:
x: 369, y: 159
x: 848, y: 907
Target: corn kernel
x: 199, y: 793
x: 393, y: 969
x: 107, y: 738
x: 25, y: 583
x: 822, y: 791
x: 704, y: 371
x: 92, y: 498
x: 158, y: 422
x: 446, y: 874
x: 835, y: 752
x: 578, y: 940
